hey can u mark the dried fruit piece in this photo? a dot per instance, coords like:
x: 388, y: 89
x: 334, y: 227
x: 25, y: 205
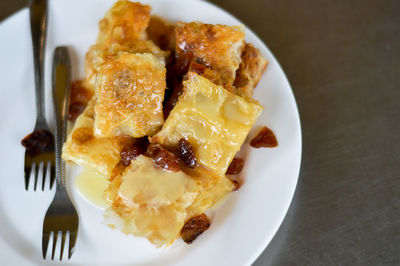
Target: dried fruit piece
x: 80, y: 96
x: 75, y: 109
x: 235, y: 167
x: 265, y: 138
x: 128, y: 153
x: 186, y: 153
x: 236, y: 185
x: 37, y: 141
x: 133, y: 149
x: 163, y: 158
x: 195, y: 227
x: 152, y: 150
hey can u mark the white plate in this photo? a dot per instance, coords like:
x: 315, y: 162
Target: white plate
x: 241, y: 228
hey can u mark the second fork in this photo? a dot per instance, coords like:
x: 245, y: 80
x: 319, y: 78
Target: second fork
x: 38, y: 20
x: 61, y: 215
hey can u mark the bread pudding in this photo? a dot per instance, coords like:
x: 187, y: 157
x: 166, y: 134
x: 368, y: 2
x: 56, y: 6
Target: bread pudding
x: 172, y: 105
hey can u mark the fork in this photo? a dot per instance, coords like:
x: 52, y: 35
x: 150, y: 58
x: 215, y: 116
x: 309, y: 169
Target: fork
x: 61, y: 215
x: 38, y: 18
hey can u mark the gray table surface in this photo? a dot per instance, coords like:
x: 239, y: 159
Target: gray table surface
x: 343, y: 61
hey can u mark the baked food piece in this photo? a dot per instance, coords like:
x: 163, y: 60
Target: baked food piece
x: 122, y: 29
x: 130, y: 91
x: 82, y: 148
x: 124, y: 23
x: 250, y: 70
x: 150, y: 202
x: 98, y: 55
x: 218, y: 47
x: 155, y: 203
x: 212, y: 188
x: 214, y: 120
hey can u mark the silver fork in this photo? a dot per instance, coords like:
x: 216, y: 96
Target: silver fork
x: 38, y: 18
x: 61, y: 215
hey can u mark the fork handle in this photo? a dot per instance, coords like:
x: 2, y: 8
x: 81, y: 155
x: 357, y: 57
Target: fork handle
x: 61, y: 79
x: 38, y: 19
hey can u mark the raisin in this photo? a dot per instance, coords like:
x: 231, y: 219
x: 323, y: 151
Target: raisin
x: 79, y: 98
x: 166, y: 160
x: 194, y: 227
x: 128, y: 153
x: 152, y: 150
x: 37, y: 141
x: 163, y: 158
x: 236, y: 185
x: 79, y: 93
x: 133, y: 149
x: 235, y: 167
x: 186, y: 154
x: 265, y: 138
x: 75, y: 109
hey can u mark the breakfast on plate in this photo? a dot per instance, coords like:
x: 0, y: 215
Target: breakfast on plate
x: 161, y: 113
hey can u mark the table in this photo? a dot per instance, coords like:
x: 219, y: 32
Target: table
x: 343, y: 61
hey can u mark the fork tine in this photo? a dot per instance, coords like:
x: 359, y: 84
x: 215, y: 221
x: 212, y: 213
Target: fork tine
x: 37, y: 175
x: 63, y: 233
x: 27, y: 173
x: 55, y: 235
x: 72, y: 241
x: 45, y: 243
x: 45, y: 167
x: 35, y: 169
x: 52, y: 175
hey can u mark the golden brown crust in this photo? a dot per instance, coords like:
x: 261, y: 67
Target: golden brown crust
x: 251, y: 69
x: 124, y: 23
x: 216, y: 46
x: 130, y: 90
x: 83, y: 148
x: 97, y: 55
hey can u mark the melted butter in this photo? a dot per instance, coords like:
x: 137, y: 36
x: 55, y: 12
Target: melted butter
x: 92, y: 186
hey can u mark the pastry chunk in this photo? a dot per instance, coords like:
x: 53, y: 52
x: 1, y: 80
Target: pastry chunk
x: 150, y: 202
x: 155, y: 203
x: 130, y: 91
x: 98, y: 55
x: 82, y: 148
x: 216, y: 46
x: 122, y: 29
x: 213, y: 188
x: 214, y: 120
x: 251, y: 69
x: 124, y: 23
